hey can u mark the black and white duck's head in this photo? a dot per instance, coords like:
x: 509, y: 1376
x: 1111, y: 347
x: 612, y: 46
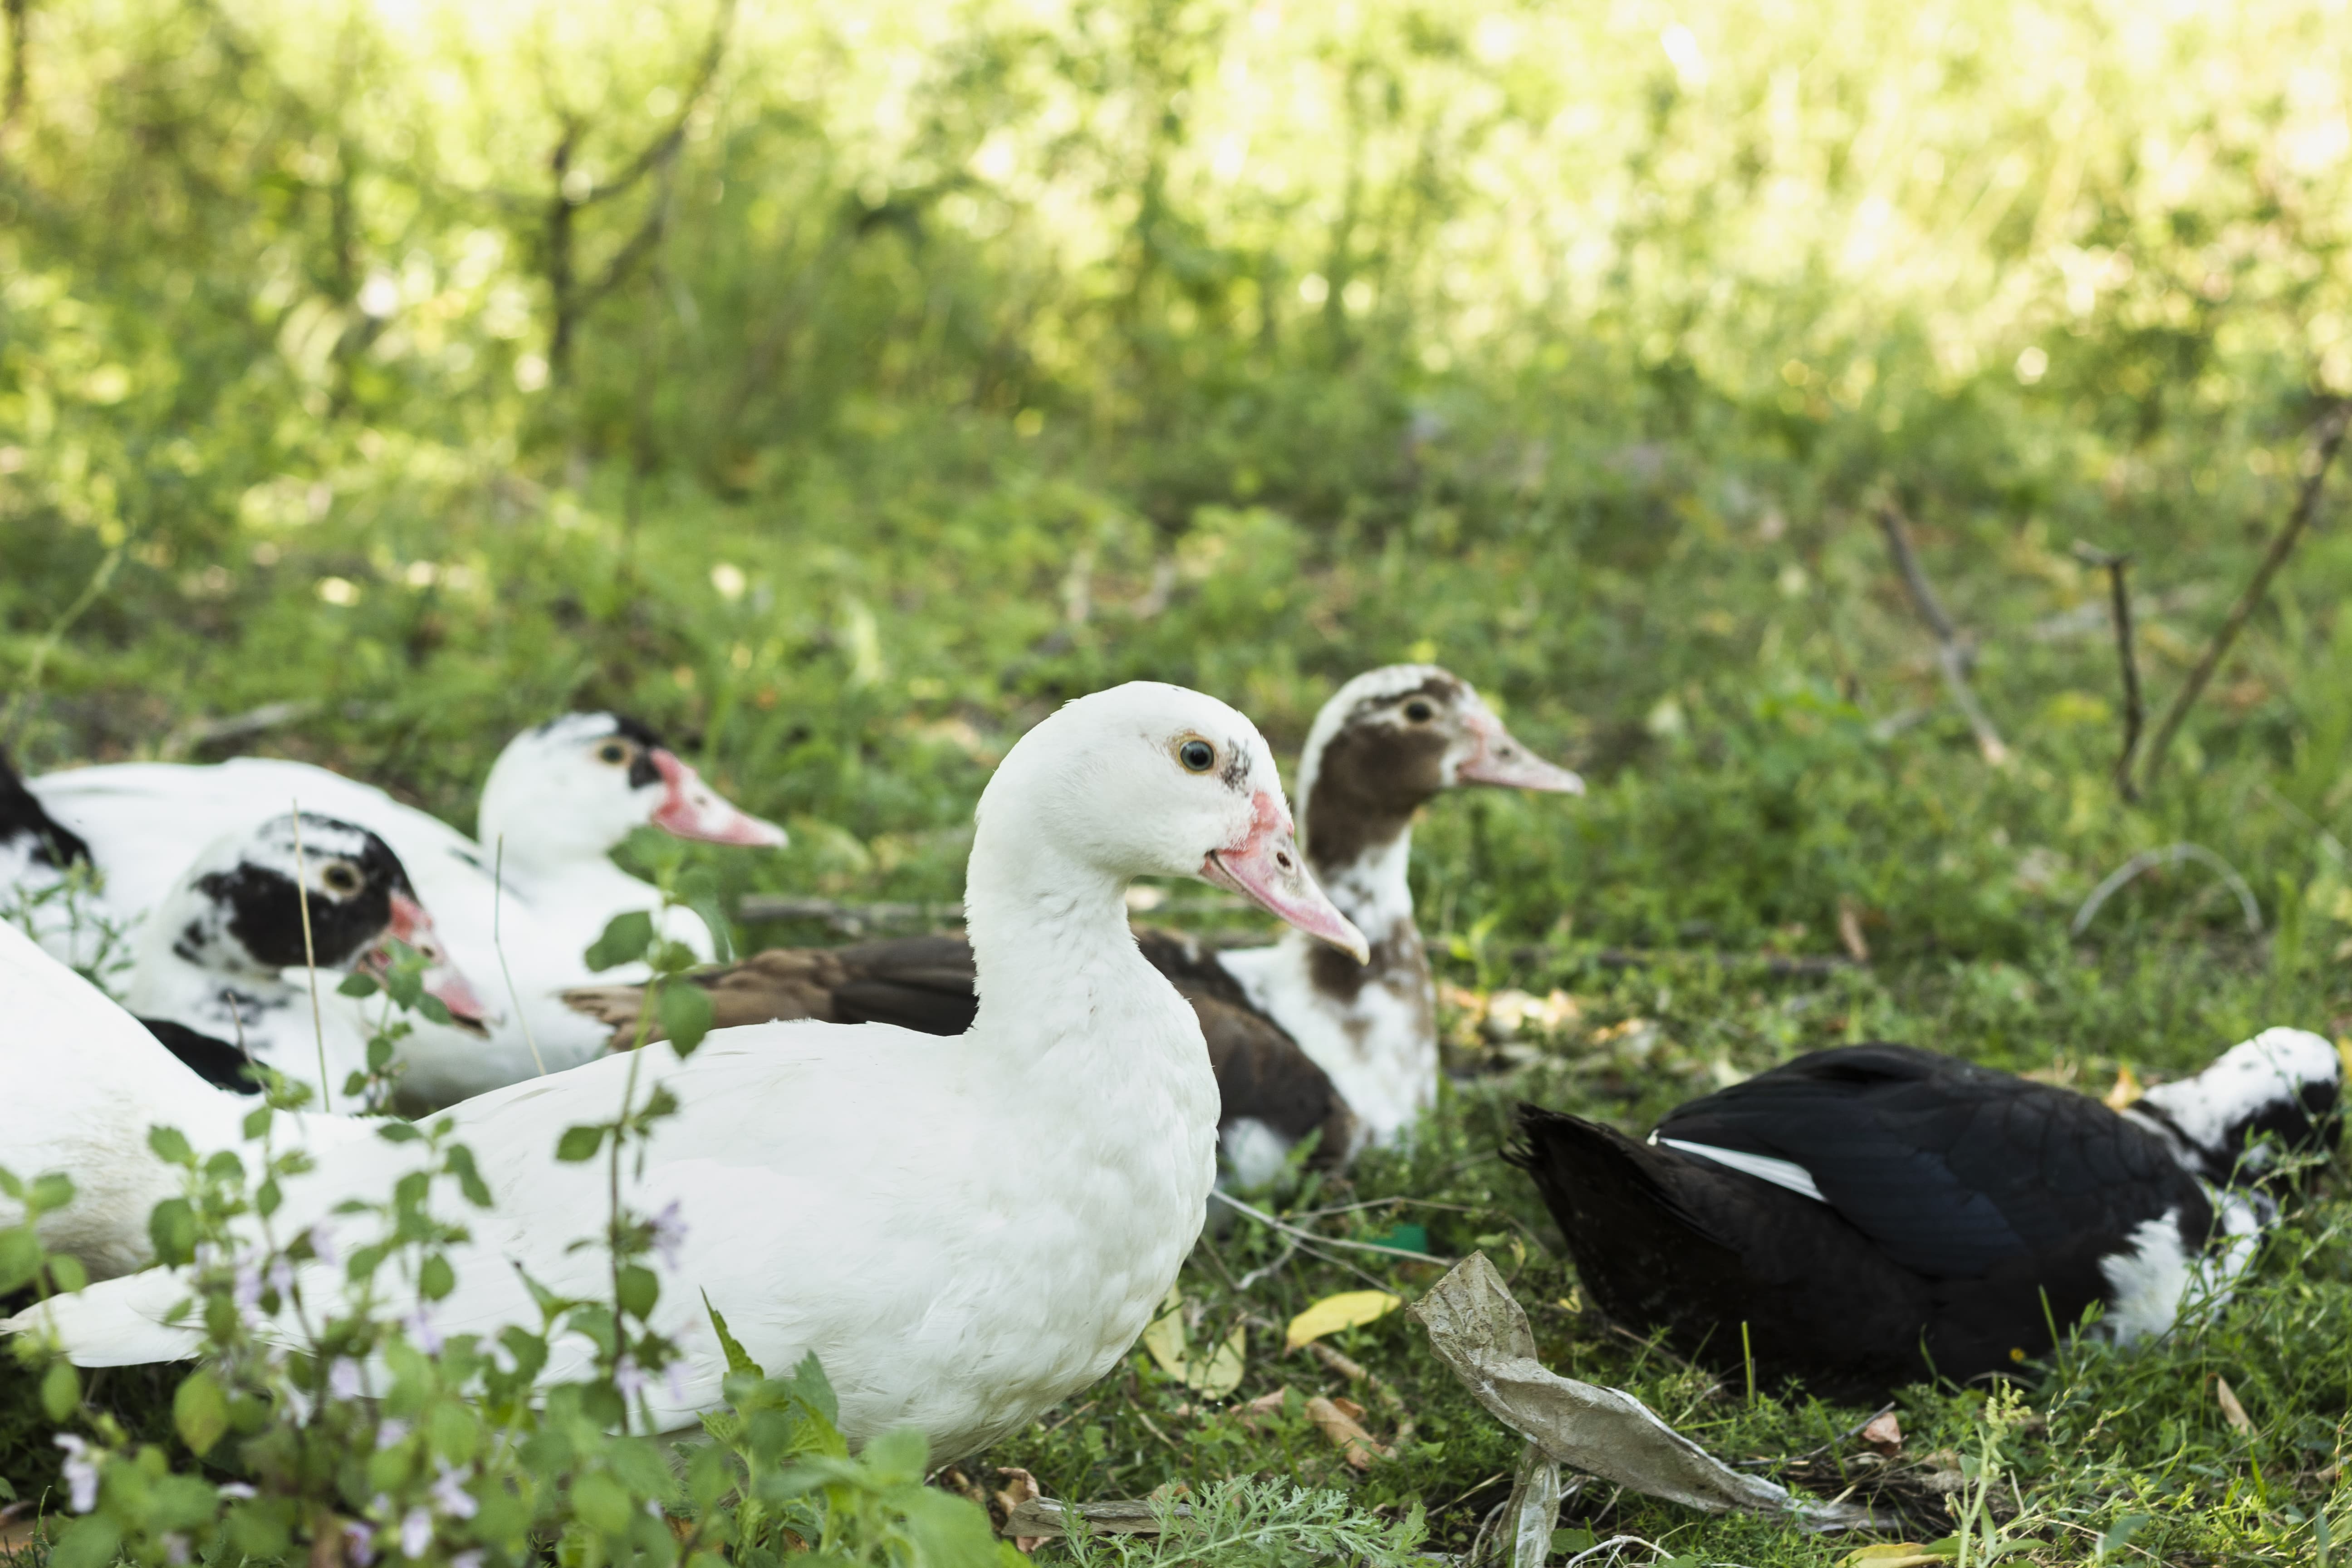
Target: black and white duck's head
x: 239, y: 910
x: 2277, y: 1094
x: 575, y: 786
x: 1391, y: 740
x: 1147, y: 780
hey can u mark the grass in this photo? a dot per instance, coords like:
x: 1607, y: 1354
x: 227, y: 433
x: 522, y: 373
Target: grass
x: 1730, y: 830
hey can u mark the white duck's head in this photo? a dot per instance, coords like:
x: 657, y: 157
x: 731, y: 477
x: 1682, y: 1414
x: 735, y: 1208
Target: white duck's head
x: 573, y: 788
x: 237, y: 912
x: 1148, y: 779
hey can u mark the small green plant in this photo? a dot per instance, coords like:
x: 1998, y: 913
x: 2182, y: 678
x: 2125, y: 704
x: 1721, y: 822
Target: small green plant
x: 72, y: 909
x: 1245, y: 1522
x: 373, y: 1088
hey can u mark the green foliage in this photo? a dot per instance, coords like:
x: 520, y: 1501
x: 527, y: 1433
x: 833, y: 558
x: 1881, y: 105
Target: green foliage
x: 1248, y: 1523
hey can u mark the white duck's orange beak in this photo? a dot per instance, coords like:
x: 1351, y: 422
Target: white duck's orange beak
x: 1500, y: 760
x: 443, y: 980
x: 692, y: 809
x: 1267, y: 869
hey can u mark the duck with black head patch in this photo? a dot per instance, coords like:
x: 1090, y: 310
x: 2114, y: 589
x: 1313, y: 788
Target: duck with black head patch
x: 1302, y: 1046
x: 221, y: 971
x: 1862, y: 1218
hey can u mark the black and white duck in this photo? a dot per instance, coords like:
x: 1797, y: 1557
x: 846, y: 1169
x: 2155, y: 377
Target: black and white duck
x: 1865, y: 1217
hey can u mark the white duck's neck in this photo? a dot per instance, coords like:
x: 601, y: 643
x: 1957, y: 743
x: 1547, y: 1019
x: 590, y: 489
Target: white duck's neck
x: 1058, y: 970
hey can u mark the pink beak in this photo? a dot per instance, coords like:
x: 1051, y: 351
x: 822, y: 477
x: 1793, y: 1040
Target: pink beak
x: 692, y: 809
x: 1267, y: 867
x: 443, y: 981
x: 1500, y: 760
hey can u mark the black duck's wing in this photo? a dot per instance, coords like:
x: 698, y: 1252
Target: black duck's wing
x: 1953, y: 1170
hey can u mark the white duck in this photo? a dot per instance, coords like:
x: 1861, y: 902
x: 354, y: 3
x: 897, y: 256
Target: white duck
x: 558, y: 800
x: 964, y: 1230
x: 221, y: 970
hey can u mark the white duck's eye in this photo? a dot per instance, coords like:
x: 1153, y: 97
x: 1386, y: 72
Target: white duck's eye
x: 1197, y: 755
x: 1419, y: 711
x: 340, y: 877
x: 614, y: 752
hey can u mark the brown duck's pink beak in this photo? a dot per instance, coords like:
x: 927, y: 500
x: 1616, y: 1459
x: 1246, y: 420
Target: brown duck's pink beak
x: 443, y: 980
x: 692, y: 809
x: 1500, y: 760
x: 1267, y: 867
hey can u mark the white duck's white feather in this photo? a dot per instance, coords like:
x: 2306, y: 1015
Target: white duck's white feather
x: 86, y: 1082
x: 964, y: 1230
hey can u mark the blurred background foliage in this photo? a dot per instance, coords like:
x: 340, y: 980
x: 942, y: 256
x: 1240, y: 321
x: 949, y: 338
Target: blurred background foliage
x: 839, y: 387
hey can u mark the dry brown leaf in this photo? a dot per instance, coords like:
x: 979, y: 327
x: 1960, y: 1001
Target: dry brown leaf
x: 1885, y: 1433
x: 2231, y: 1411
x: 1019, y: 1486
x: 1347, y: 1433
x: 2126, y: 1091
x: 1850, y: 931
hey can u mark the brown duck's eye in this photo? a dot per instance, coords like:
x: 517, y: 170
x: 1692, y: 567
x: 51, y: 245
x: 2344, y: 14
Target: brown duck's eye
x: 1419, y: 712
x: 614, y: 752
x: 1197, y: 755
x: 340, y: 877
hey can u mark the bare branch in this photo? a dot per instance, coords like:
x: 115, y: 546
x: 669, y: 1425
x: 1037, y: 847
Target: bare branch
x: 1952, y: 654
x: 2135, y: 711
x: 2327, y: 437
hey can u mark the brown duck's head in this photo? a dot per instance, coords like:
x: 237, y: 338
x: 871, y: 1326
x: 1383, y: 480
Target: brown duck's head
x: 1391, y: 739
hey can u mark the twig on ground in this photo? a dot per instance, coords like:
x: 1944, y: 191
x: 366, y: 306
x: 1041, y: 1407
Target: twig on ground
x: 198, y: 732
x: 2170, y: 855
x: 2134, y: 710
x: 1268, y: 1220
x: 2327, y: 437
x: 1952, y: 654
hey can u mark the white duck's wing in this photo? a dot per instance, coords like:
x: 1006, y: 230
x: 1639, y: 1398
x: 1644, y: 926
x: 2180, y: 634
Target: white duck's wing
x: 85, y: 1083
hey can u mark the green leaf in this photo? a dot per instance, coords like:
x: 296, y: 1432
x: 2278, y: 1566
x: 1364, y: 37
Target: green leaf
x: 60, y: 1390
x: 738, y: 1357
x: 200, y: 1411
x: 435, y: 1279
x: 460, y: 1162
x: 636, y: 1289
x: 68, y: 1272
x: 50, y: 1192
x: 580, y: 1143
x: 89, y: 1543
x: 684, y: 1015
x: 625, y: 939
x: 20, y: 1258
x: 257, y: 1123
x: 357, y: 984
x: 172, y: 1226
x: 601, y: 1502
x: 433, y: 1007
x: 171, y: 1146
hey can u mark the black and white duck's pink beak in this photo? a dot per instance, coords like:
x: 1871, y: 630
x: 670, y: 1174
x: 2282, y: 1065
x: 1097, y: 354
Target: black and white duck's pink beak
x: 1267, y: 867
x: 443, y: 980
x: 692, y: 809
x: 1496, y: 759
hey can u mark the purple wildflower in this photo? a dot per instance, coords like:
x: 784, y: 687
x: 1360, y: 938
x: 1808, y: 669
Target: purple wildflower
x: 322, y: 1243
x: 81, y: 1472
x: 246, y: 1291
x: 450, y: 1495
x: 359, y: 1541
x: 467, y: 1559
x: 670, y: 1234
x: 176, y: 1549
x: 343, y: 1379
x: 388, y: 1431
x: 281, y: 1275
x: 416, y: 1532
x: 628, y: 1377
x: 419, y: 1324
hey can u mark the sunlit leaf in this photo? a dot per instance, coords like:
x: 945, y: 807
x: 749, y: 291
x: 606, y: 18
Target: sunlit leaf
x: 1348, y: 1309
